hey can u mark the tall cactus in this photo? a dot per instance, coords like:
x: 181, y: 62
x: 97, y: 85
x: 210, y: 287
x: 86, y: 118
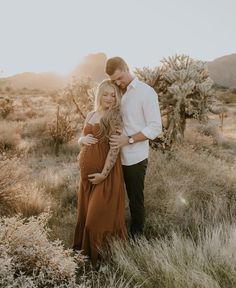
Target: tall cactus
x: 185, y: 91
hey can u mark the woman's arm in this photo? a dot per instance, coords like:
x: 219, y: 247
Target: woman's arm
x: 96, y: 178
x: 89, y: 139
x: 111, y: 158
x: 110, y: 161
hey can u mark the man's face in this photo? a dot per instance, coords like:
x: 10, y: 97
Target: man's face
x: 121, y: 78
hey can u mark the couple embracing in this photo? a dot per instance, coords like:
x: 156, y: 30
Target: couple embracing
x: 114, y: 150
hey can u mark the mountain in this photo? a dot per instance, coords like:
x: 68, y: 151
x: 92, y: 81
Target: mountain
x: 30, y: 80
x: 223, y: 70
x: 91, y: 66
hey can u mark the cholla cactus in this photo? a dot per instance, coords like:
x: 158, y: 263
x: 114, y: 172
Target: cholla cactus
x: 184, y: 89
x: 61, y: 130
x: 81, y: 93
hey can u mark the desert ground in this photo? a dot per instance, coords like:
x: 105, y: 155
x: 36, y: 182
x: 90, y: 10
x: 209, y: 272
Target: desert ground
x: 190, y: 200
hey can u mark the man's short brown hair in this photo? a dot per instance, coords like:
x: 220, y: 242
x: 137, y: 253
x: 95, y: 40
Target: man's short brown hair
x: 115, y: 63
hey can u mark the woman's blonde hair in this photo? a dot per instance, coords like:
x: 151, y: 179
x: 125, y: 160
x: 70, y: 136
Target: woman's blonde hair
x: 111, y: 120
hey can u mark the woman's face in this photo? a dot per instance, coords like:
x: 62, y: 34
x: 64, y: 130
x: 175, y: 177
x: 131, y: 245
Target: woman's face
x: 108, y: 98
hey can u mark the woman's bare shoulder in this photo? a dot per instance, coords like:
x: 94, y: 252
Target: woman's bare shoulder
x: 89, y: 115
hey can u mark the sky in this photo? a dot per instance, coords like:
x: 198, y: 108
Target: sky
x: 55, y: 35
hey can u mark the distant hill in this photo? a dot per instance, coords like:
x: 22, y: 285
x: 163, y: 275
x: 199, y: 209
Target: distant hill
x: 223, y: 70
x: 91, y: 66
x: 30, y: 80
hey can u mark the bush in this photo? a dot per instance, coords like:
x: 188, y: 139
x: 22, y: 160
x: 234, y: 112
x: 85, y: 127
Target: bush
x: 61, y: 130
x: 81, y: 92
x: 29, y: 259
x: 6, y: 107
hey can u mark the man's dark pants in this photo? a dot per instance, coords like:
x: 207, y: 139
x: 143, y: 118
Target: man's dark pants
x: 134, y: 176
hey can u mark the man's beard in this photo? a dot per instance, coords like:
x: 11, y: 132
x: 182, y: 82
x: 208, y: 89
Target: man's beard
x: 123, y: 90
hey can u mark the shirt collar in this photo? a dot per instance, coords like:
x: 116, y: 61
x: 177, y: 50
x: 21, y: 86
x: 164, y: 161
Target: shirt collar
x: 133, y: 83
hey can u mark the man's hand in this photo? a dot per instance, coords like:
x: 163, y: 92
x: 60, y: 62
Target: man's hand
x: 96, y: 178
x: 88, y: 140
x: 118, y: 141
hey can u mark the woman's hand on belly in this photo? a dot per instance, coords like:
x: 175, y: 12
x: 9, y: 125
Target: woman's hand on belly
x: 88, y: 140
x: 96, y: 178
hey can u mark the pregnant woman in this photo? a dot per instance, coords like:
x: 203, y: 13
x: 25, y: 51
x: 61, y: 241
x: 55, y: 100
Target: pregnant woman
x: 101, y: 197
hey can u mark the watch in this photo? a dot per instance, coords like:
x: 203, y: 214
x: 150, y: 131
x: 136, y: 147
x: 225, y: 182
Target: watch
x: 131, y: 140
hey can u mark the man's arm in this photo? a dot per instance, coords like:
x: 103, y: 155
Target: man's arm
x: 152, y: 117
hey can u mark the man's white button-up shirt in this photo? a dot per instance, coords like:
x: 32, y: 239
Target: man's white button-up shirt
x: 140, y: 113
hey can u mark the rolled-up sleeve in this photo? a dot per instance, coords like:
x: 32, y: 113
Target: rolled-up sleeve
x: 152, y: 115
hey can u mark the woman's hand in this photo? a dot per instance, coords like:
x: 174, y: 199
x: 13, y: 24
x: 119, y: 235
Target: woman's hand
x: 96, y: 178
x: 88, y: 140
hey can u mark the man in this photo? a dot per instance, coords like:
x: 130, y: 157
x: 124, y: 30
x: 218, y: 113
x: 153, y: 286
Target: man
x: 142, y: 121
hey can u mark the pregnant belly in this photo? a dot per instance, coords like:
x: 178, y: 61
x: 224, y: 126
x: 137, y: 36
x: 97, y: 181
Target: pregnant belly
x: 91, y: 160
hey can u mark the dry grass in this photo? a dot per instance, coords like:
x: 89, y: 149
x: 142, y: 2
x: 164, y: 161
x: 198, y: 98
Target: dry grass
x: 10, y: 135
x: 36, y: 128
x: 219, y: 140
x: 17, y: 193
x: 179, y: 261
x: 61, y: 182
x: 106, y: 277
x: 186, y: 189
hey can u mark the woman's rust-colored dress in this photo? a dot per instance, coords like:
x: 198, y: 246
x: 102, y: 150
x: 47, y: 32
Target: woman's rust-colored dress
x: 101, y: 207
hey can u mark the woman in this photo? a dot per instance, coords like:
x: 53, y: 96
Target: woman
x: 101, y: 199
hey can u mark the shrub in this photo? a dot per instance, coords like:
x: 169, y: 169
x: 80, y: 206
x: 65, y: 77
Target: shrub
x: 61, y: 130
x: 29, y: 259
x: 6, y: 107
x: 81, y: 92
